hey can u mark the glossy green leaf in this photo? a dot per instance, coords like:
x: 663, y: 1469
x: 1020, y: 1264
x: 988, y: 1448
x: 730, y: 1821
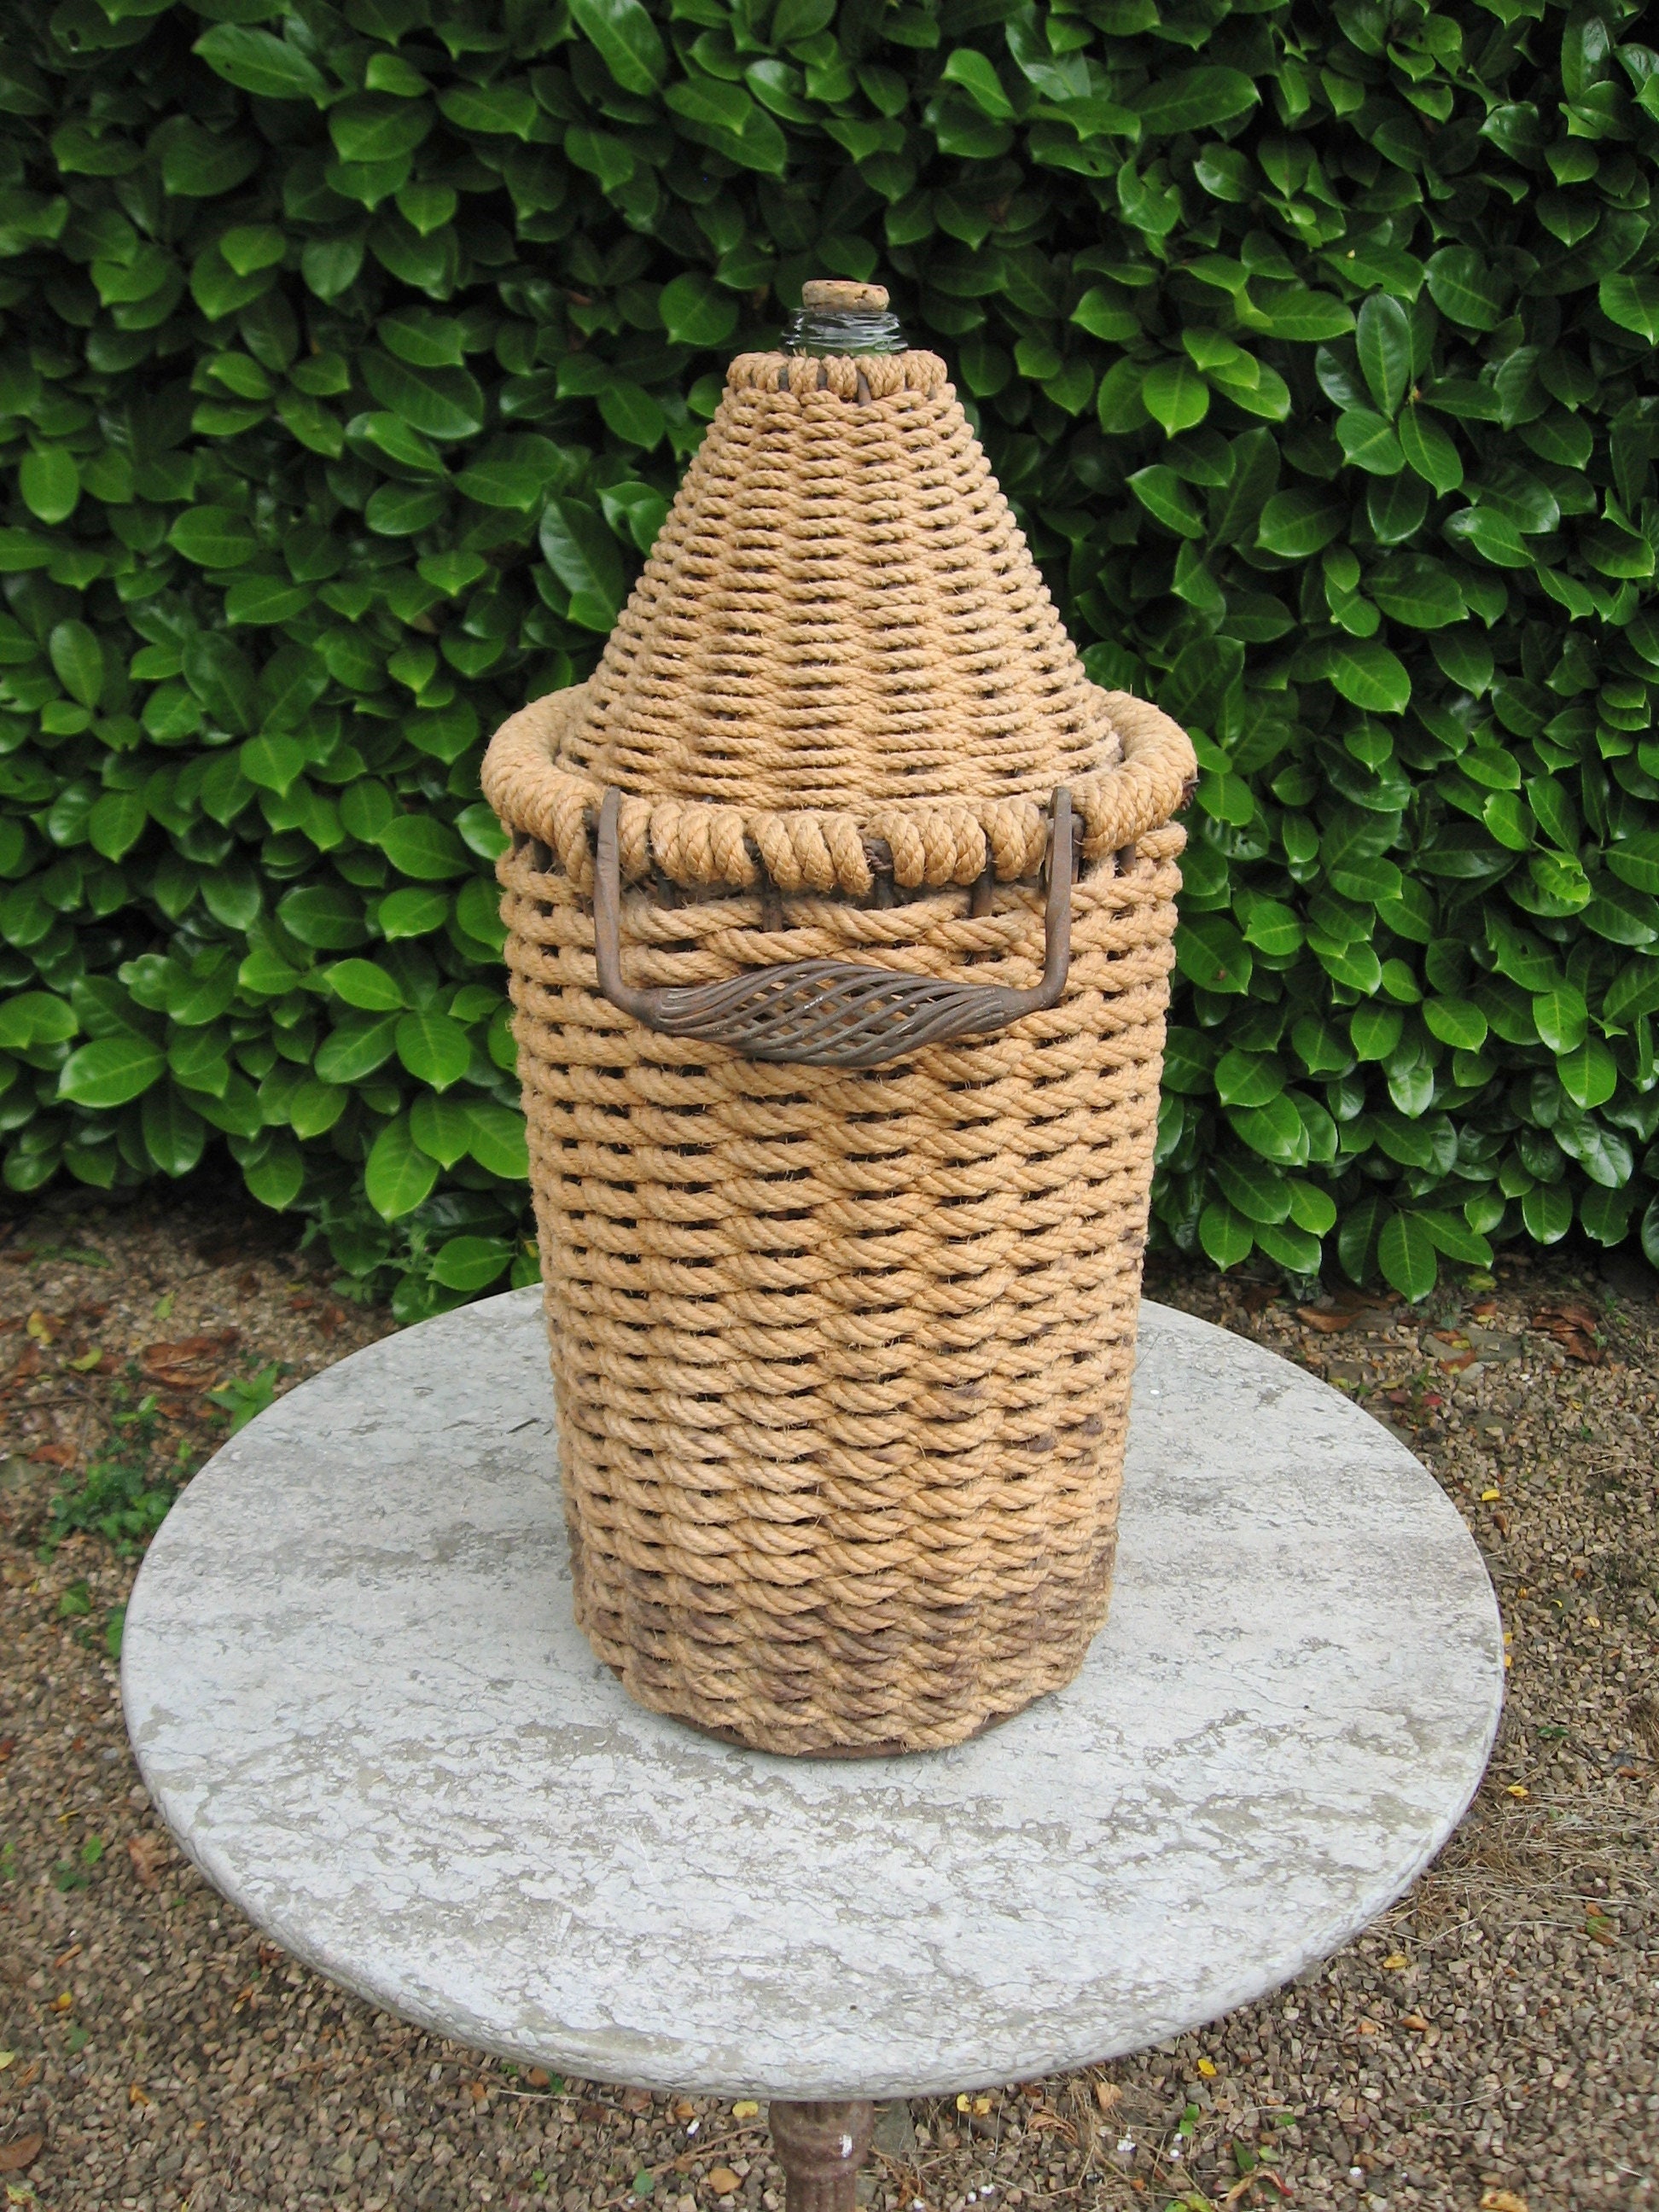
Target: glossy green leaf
x: 1466, y: 286
x: 1194, y: 99
x: 1455, y: 1022
x: 1428, y: 449
x: 1632, y: 302
x: 1547, y: 1209
x: 1275, y: 1130
x: 1292, y: 1245
x: 977, y: 76
x: 1167, y: 500
x: 629, y: 41
x: 277, y: 1176
x: 1212, y: 954
x: 1635, y: 859
x: 1176, y: 395
x: 444, y: 403
x: 1226, y: 1236
x: 175, y: 1135
x: 50, y: 483
x: 78, y: 660
x: 411, y: 913
x: 34, y: 1018
x: 110, y: 1071
x: 356, y: 1049
x: 471, y: 1264
x: 1370, y: 442
x: 695, y: 312
x: 442, y: 1128
x: 724, y: 116
x: 214, y: 538
x: 1562, y: 1017
x: 116, y: 823
x: 421, y: 846
x: 434, y: 1048
x: 498, y: 1140
x: 257, y: 61
x: 1451, y: 1234
x: 398, y: 1175
x: 1406, y: 1255
x: 1300, y: 522
x: 1367, y: 673
x: 583, y: 554
x: 1383, y: 338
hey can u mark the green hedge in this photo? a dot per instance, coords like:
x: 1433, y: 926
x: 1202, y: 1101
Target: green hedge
x: 349, y: 357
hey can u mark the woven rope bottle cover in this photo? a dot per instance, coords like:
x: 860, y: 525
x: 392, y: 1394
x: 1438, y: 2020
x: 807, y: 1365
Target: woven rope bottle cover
x: 842, y: 1352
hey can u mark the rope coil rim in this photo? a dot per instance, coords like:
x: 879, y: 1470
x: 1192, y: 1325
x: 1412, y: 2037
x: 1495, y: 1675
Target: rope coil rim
x: 932, y: 841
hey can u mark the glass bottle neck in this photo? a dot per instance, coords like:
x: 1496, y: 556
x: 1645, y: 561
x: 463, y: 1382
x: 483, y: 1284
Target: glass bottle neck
x: 817, y: 331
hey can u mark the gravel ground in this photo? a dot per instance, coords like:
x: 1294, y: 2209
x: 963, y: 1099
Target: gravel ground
x: 1493, y: 2043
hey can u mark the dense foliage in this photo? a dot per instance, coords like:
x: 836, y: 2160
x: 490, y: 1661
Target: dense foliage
x: 349, y: 354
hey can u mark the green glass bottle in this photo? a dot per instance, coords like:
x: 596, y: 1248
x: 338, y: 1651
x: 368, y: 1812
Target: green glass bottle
x: 839, y: 317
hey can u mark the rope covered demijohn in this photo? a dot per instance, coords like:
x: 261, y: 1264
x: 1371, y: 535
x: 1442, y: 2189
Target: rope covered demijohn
x: 839, y: 906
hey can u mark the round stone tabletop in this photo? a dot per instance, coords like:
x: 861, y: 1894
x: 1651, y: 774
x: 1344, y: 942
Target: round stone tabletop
x: 359, y: 1700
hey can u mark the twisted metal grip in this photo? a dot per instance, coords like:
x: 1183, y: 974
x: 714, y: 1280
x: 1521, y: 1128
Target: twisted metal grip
x: 829, y: 1013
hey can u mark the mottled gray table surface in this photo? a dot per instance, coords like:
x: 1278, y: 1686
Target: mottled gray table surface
x: 359, y: 1701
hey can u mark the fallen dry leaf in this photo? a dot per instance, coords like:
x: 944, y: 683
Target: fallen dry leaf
x: 1502, y: 2200
x: 43, y: 1328
x: 54, y: 1454
x: 14, y: 2157
x: 188, y: 1362
x: 149, y: 1853
x: 1326, y: 1319
x: 1107, y: 2095
x: 1040, y: 2121
x: 1573, y: 1327
x: 745, y: 2109
x: 723, y: 2181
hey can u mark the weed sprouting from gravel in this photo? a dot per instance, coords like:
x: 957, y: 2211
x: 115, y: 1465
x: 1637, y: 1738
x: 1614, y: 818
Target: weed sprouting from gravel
x: 124, y: 1493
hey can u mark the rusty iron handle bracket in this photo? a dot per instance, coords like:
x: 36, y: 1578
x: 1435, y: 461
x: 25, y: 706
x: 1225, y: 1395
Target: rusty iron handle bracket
x: 829, y: 1013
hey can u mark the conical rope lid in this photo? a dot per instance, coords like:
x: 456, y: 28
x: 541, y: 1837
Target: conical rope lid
x: 840, y: 645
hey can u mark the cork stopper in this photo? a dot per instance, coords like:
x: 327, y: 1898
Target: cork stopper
x: 841, y: 296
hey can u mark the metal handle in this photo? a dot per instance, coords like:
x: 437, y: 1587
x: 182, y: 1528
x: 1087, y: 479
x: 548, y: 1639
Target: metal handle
x: 829, y: 1013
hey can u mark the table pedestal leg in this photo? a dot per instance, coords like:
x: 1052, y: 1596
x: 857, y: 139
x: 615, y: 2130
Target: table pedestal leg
x: 821, y: 2147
